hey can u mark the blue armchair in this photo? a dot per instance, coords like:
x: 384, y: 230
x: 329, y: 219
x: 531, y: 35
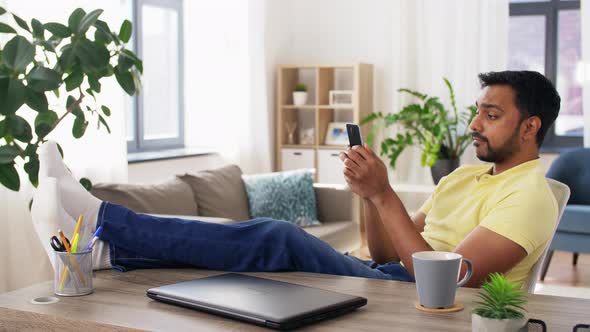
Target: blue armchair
x: 573, y: 232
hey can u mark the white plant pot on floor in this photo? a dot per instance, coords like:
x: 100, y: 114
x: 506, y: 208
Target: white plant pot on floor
x: 299, y: 98
x: 482, y: 324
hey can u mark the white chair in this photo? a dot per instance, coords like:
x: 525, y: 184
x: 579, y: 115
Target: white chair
x: 562, y: 195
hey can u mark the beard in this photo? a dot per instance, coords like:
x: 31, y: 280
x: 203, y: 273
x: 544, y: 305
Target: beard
x: 497, y: 154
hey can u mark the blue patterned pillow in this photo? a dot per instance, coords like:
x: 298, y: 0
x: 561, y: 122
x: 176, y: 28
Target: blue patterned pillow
x: 284, y: 196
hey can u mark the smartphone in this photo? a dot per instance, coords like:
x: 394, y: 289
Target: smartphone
x: 354, y: 134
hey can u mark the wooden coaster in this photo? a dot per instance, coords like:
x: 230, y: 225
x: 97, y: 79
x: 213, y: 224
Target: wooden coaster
x: 456, y: 307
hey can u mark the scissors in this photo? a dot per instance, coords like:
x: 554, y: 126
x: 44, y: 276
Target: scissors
x: 57, y: 245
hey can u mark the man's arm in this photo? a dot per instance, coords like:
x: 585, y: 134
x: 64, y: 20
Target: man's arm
x: 402, y: 232
x: 380, y: 244
x: 367, y: 176
x: 489, y: 251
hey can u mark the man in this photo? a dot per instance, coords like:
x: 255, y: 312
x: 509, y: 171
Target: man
x: 501, y: 217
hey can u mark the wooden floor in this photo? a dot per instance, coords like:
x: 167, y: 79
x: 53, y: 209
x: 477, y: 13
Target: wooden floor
x: 561, y: 271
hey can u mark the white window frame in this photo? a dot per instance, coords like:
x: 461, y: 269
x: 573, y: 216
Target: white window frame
x: 139, y: 143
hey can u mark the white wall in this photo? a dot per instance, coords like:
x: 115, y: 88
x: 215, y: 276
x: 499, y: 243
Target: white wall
x: 343, y: 31
x: 216, y: 62
x: 411, y: 44
x: 203, y: 125
x: 277, y: 42
x: 152, y: 172
x: 329, y: 31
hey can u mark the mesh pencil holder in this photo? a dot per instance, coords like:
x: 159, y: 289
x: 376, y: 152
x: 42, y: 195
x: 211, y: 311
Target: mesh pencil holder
x: 72, y: 274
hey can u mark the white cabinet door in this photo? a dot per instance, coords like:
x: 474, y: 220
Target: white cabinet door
x: 330, y: 167
x: 297, y: 158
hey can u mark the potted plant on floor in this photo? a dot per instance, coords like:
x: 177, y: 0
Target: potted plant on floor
x: 441, y: 135
x: 500, y: 308
x: 69, y: 60
x: 300, y: 94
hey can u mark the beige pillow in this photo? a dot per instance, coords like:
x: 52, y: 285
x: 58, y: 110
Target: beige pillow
x: 220, y: 192
x: 170, y: 197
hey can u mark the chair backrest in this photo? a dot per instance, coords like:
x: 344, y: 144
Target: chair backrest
x: 562, y: 194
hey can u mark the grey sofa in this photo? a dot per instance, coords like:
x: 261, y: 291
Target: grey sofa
x: 219, y: 196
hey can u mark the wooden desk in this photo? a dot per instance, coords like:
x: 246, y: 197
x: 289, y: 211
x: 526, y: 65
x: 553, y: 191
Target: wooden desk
x: 119, y: 299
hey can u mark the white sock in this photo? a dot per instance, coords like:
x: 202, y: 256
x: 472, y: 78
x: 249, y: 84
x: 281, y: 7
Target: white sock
x: 49, y: 217
x: 75, y: 199
x: 58, y: 200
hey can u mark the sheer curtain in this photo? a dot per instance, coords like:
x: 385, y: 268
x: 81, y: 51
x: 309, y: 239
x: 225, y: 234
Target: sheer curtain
x: 227, y: 105
x: 456, y: 39
x: 97, y: 156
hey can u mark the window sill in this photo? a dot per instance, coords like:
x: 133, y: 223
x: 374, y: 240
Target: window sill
x: 146, y: 156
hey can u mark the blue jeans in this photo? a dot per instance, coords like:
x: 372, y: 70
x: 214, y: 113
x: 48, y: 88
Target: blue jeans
x: 257, y: 245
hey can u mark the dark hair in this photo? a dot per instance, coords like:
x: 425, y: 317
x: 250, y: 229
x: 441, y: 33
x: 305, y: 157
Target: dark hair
x: 535, y: 95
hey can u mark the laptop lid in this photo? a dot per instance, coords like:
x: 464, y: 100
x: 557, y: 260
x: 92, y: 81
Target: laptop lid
x: 261, y: 301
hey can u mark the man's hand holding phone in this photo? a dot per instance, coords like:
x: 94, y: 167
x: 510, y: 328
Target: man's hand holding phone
x: 354, y: 134
x: 364, y: 171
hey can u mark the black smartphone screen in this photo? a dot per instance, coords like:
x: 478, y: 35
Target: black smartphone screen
x: 354, y: 134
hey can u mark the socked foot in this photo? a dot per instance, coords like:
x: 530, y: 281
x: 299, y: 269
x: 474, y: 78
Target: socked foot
x: 58, y: 202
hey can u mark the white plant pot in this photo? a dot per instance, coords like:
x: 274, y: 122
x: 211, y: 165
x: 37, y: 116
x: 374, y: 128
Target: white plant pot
x: 482, y: 324
x: 299, y: 98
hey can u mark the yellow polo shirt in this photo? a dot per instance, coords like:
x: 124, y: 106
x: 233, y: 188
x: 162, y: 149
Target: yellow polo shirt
x: 517, y: 204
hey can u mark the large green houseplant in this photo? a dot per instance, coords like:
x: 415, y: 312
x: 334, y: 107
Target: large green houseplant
x: 53, y: 58
x: 442, y: 135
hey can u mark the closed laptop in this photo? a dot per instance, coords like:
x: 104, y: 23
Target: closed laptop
x: 264, y: 302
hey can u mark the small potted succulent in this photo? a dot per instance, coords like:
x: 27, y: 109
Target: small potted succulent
x: 500, y: 308
x: 300, y: 94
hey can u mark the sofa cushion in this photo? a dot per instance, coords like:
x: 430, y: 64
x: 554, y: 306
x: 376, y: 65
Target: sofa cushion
x: 170, y: 197
x: 334, y: 202
x: 285, y: 196
x: 341, y: 235
x: 219, y: 192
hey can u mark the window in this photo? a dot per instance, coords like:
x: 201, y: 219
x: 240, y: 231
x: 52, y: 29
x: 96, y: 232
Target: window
x: 156, y: 121
x: 545, y: 36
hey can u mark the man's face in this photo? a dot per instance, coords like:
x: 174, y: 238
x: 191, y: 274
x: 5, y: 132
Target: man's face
x: 496, y: 127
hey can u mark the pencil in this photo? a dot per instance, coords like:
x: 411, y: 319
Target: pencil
x: 64, y: 274
x: 63, y: 240
x: 80, y: 219
x: 76, y: 233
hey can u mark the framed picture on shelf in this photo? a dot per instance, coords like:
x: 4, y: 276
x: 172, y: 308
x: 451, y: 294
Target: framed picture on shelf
x: 341, y: 98
x: 336, y: 134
